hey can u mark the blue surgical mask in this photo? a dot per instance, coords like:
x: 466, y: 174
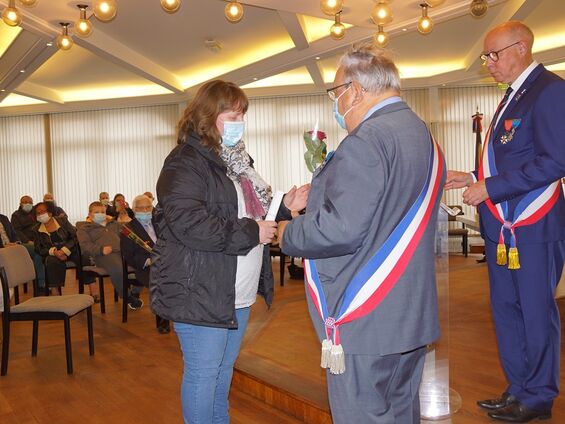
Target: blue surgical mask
x: 27, y: 207
x: 99, y: 218
x: 233, y: 132
x: 143, y: 217
x: 338, y: 116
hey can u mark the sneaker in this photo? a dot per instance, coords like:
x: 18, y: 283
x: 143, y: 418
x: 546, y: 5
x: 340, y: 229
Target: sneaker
x: 134, y: 303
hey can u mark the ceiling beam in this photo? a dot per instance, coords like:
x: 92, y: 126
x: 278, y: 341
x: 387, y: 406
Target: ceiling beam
x: 316, y: 74
x: 294, y: 28
x: 39, y: 92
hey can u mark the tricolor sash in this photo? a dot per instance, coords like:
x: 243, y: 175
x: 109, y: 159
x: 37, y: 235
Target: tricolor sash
x: 379, y: 275
x: 534, y: 206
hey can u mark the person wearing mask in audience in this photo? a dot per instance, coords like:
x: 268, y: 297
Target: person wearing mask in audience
x: 99, y: 238
x: 58, y: 212
x: 120, y: 209
x: 23, y: 221
x: 104, y: 198
x: 55, y: 241
x: 137, y: 248
x: 207, y: 262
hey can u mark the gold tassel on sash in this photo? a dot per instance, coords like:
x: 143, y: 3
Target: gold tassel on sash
x: 513, y: 259
x: 501, y: 254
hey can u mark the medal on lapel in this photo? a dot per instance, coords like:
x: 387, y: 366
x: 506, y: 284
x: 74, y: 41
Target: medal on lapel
x: 510, y: 126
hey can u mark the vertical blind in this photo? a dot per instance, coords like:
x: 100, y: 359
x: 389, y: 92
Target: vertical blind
x: 22, y: 161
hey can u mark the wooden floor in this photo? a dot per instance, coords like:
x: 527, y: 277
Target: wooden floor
x: 134, y: 376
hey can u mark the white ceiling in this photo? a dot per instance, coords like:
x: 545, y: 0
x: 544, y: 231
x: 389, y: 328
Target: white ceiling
x: 147, y: 56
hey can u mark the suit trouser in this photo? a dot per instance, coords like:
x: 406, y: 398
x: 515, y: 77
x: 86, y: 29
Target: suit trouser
x: 527, y: 320
x: 377, y: 389
x: 112, y: 263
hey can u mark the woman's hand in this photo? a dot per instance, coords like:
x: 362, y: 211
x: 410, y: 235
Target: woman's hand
x: 296, y: 198
x: 267, y: 230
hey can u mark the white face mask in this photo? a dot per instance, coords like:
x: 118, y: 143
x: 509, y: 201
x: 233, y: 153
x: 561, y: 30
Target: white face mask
x: 43, y: 218
x: 233, y: 132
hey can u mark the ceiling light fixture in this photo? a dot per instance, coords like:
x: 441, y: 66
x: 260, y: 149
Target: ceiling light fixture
x: 83, y: 27
x: 479, y: 8
x: 381, y: 37
x: 10, y: 15
x: 170, y: 6
x: 28, y: 3
x: 104, y: 10
x: 381, y: 13
x: 233, y: 11
x: 425, y: 24
x: 337, y: 30
x: 64, y: 41
x: 331, y: 7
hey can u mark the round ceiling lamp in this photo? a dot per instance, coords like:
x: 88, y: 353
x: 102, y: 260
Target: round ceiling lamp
x: 64, y: 41
x: 10, y: 15
x: 170, y: 6
x: 479, y: 8
x: 337, y: 30
x: 331, y: 7
x: 83, y: 27
x: 381, y: 37
x: 233, y: 11
x: 381, y: 13
x: 104, y: 10
x: 425, y: 24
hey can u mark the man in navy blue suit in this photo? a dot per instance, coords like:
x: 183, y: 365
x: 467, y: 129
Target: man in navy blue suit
x: 522, y: 213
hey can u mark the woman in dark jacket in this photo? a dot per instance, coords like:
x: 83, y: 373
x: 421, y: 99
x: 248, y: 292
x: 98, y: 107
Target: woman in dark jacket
x: 209, y: 251
x: 55, y: 241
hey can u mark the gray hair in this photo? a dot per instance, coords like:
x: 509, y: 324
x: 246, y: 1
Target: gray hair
x: 371, y: 67
x: 138, y: 198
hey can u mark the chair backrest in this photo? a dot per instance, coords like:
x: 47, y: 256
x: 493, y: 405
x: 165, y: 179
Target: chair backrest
x: 17, y: 264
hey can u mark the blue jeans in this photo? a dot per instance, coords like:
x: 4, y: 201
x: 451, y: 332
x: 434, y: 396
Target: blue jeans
x: 209, y: 355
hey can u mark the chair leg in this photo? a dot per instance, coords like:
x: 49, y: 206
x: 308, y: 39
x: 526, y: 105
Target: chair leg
x: 60, y: 290
x: 16, y: 295
x: 116, y: 297
x: 34, y: 337
x: 68, y: 348
x: 5, y: 346
x: 102, y: 297
x: 25, y: 287
x: 281, y: 270
x: 90, y: 331
x: 465, y: 245
x: 80, y: 286
x: 125, y: 299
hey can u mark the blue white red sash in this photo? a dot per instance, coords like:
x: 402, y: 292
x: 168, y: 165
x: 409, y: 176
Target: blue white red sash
x: 534, y: 206
x: 379, y: 275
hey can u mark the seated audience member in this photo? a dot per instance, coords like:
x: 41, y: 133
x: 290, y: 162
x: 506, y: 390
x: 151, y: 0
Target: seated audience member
x: 58, y: 212
x: 7, y: 233
x: 135, y: 254
x: 55, y: 241
x: 104, y: 198
x: 23, y: 222
x: 99, y: 238
x: 120, y: 209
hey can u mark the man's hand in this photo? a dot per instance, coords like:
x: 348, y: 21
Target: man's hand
x: 267, y: 230
x: 296, y: 198
x: 106, y: 250
x: 458, y: 179
x: 475, y: 194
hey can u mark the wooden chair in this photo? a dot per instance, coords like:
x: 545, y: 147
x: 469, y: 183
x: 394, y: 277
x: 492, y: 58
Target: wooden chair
x: 459, y: 232
x: 275, y: 250
x: 16, y: 267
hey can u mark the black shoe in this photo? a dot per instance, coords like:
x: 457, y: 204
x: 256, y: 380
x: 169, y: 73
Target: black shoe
x: 492, y: 404
x: 134, y: 303
x: 164, y: 329
x: 518, y: 413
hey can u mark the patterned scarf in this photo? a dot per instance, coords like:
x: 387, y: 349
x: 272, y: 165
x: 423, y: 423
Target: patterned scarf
x: 256, y: 192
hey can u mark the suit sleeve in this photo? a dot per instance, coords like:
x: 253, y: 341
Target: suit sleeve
x: 182, y: 190
x: 87, y: 246
x: 353, y: 191
x: 548, y: 165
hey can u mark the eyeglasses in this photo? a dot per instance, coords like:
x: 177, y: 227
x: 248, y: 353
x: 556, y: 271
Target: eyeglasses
x: 331, y: 91
x: 493, y: 55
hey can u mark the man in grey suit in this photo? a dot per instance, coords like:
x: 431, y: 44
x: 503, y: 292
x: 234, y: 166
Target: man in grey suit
x: 368, y: 240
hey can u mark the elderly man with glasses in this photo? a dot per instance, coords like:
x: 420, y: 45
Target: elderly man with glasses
x: 522, y: 212
x: 368, y: 240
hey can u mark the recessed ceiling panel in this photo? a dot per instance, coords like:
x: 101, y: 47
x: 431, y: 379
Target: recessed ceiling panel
x: 299, y: 76
x: 17, y: 100
x: 7, y: 35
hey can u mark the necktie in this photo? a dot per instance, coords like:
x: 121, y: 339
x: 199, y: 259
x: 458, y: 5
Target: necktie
x: 499, y: 109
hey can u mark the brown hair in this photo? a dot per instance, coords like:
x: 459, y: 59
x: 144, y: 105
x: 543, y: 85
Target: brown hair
x: 94, y: 205
x: 200, y: 115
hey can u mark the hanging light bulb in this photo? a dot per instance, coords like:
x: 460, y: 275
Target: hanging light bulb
x: 104, y: 10
x: 434, y: 3
x: 381, y: 13
x: 10, y: 15
x: 64, y: 41
x: 83, y: 27
x: 331, y: 7
x: 28, y: 3
x: 381, y: 37
x: 425, y: 24
x: 170, y: 6
x: 337, y: 31
x: 233, y: 11
x: 479, y: 8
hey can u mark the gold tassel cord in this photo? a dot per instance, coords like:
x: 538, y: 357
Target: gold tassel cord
x: 513, y: 258
x: 501, y: 254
